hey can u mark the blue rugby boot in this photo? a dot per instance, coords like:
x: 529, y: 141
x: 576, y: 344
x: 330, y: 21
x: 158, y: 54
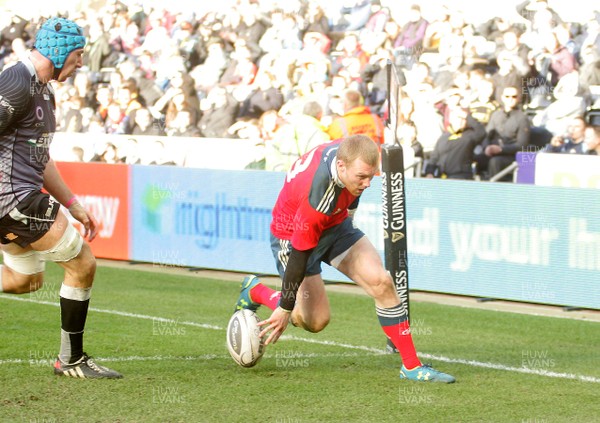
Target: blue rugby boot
x: 425, y: 373
x: 244, y: 300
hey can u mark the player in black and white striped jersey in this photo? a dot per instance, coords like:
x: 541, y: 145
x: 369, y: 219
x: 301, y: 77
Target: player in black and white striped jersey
x: 33, y: 229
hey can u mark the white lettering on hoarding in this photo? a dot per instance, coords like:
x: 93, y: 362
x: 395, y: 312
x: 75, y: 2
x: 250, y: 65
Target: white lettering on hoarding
x: 584, y: 246
x: 105, y: 209
x: 424, y: 234
x: 491, y: 242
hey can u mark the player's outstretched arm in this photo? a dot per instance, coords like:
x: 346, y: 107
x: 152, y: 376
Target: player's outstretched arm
x: 293, y: 277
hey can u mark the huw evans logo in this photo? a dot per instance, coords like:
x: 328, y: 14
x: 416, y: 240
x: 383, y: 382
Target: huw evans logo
x: 206, y: 220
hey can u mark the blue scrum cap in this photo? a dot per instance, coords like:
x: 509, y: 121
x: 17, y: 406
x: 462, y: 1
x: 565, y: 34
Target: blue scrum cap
x: 57, y: 38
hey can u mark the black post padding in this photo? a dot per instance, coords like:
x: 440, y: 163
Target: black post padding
x: 394, y: 220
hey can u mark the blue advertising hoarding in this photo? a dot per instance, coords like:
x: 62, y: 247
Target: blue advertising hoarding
x: 203, y: 218
x: 507, y: 241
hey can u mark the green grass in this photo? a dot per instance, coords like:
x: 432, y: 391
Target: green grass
x: 183, y: 373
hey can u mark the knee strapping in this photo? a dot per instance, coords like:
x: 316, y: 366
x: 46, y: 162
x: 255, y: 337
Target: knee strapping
x: 67, y: 248
x: 29, y: 263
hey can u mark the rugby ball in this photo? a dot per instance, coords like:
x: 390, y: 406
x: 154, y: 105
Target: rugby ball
x: 243, y: 342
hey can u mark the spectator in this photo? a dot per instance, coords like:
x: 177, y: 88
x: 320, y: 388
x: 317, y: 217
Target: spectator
x: 99, y: 53
x: 148, y: 91
x: 129, y: 152
x: 409, y: 44
x: 571, y: 142
x: 357, y: 119
x: 115, y: 119
x: 127, y: 34
x: 144, y: 124
x: 592, y: 140
x: 437, y: 29
x: 539, y: 14
x: 190, y: 45
x: 179, y: 102
x: 453, y: 155
x: 284, y: 34
x: 513, y: 49
x: 375, y: 81
x: 183, y: 126
x: 242, y: 70
x: 348, y: 15
x: 77, y: 154
x: 19, y: 52
x: 263, y: 97
x: 95, y: 125
x: 269, y: 123
x: 316, y: 21
x: 83, y: 86
x: 508, y: 132
x: 15, y: 28
x: 348, y: 55
x: 373, y: 35
x: 507, y: 74
x: 411, y: 80
x: 128, y: 101
x: 245, y: 130
x: 207, y: 74
x: 429, y: 123
x: 156, y: 38
x: 406, y: 108
x: 220, y: 110
x: 562, y: 61
x: 483, y: 106
x: 311, y: 72
x: 73, y: 121
x: 568, y: 105
x: 589, y: 72
x: 158, y: 154
x: 406, y: 136
x: 109, y: 155
x: 301, y: 135
x: 250, y: 30
x: 104, y: 97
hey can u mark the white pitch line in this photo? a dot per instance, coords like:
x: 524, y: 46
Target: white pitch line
x: 474, y: 363
x: 118, y: 313
x: 283, y: 355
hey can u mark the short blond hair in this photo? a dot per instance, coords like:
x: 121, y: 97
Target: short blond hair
x: 358, y: 146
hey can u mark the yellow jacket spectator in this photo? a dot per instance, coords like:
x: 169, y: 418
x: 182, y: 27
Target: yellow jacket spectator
x: 357, y: 119
x: 303, y: 133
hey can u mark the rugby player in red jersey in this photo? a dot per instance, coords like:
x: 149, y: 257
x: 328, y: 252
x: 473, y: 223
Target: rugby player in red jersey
x: 312, y: 224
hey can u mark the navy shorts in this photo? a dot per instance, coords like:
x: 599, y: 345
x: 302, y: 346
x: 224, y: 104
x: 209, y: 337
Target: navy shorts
x: 29, y: 220
x: 334, y: 241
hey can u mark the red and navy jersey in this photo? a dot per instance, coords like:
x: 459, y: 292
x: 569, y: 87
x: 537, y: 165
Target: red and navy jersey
x: 27, y: 125
x: 312, y: 198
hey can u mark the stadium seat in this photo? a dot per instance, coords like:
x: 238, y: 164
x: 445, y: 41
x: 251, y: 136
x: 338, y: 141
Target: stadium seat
x: 592, y: 117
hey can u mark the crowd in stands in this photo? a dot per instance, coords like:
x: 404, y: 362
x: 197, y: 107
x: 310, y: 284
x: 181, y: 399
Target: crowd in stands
x: 291, y: 74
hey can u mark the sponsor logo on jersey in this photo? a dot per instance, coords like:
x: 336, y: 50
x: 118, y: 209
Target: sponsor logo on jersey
x: 5, y: 103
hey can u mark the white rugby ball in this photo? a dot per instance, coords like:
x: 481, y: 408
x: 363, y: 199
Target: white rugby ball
x: 243, y: 342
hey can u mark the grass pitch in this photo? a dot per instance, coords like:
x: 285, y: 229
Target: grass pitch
x: 166, y: 334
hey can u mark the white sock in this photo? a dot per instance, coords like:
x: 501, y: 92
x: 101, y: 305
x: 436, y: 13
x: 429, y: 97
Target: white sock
x: 1, y: 266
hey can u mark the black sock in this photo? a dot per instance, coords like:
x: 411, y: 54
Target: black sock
x: 73, y: 314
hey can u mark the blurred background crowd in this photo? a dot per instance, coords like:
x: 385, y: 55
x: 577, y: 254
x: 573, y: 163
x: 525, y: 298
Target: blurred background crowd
x: 287, y: 75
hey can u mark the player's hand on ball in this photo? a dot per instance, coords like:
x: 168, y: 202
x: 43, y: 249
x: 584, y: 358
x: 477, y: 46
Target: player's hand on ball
x: 277, y: 324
